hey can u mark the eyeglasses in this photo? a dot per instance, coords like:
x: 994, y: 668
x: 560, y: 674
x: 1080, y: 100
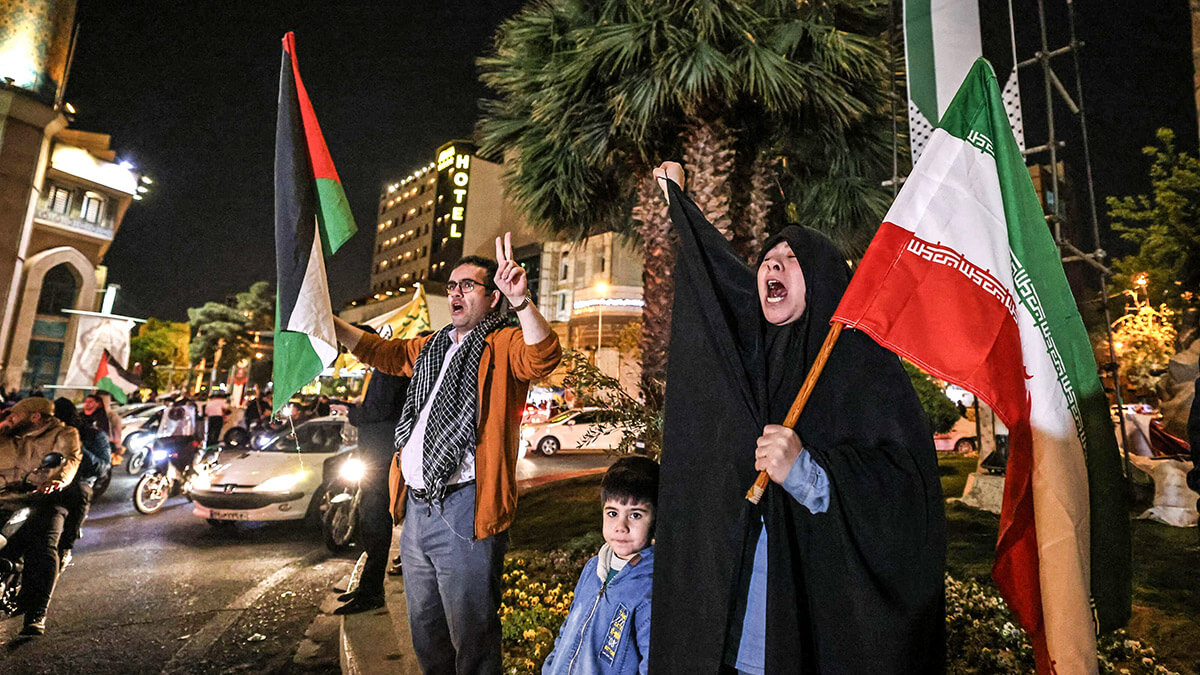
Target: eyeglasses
x: 466, y: 285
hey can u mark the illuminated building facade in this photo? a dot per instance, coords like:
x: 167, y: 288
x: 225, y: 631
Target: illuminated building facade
x: 63, y: 194
x: 590, y: 291
x: 451, y: 207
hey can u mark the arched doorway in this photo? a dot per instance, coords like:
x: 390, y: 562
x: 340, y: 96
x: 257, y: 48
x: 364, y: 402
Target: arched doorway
x: 47, y: 343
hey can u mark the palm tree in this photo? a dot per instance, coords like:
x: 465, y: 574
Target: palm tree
x: 766, y: 101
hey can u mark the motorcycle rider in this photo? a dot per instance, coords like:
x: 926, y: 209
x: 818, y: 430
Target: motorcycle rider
x: 77, y: 497
x: 34, y: 432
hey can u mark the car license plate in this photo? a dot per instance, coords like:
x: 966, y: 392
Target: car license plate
x: 228, y: 515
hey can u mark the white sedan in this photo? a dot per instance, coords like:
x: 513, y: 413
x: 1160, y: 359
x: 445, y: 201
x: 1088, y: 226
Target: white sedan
x: 282, y: 481
x: 567, y: 432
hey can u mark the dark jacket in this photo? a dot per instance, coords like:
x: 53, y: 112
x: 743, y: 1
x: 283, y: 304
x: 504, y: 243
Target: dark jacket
x: 97, y: 455
x: 608, y: 628
x: 378, y: 413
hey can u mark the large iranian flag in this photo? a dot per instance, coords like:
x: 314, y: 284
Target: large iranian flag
x: 964, y: 279
x: 312, y: 220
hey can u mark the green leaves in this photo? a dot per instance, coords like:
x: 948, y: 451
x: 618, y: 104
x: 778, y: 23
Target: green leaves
x: 1165, y: 227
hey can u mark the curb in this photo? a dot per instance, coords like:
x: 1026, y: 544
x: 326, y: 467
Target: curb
x: 379, y: 641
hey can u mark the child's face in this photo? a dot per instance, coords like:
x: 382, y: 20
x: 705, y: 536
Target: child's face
x: 627, y: 526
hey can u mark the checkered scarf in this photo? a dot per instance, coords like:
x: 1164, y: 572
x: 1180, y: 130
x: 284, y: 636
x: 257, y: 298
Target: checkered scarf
x: 450, y: 431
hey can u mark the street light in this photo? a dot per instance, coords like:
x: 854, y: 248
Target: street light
x: 601, y: 289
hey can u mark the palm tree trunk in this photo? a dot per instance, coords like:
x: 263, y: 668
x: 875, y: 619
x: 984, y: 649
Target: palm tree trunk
x: 658, y: 286
x: 709, y: 158
x: 758, y: 205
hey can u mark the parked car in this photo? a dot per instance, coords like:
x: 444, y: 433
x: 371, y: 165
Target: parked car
x: 960, y: 439
x: 566, y: 432
x: 284, y: 480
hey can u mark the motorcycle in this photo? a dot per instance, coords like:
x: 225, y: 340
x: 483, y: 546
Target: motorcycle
x: 339, y: 505
x: 175, y: 461
x: 137, y: 445
x: 15, y: 499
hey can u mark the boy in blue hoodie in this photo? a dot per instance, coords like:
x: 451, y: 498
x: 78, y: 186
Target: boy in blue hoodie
x: 608, y: 627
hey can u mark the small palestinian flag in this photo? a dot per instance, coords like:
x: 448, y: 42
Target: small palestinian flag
x: 112, y: 378
x: 312, y: 220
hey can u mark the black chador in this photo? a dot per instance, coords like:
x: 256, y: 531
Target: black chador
x: 856, y: 589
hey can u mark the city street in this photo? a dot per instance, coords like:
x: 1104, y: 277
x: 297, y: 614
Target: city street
x: 168, y: 593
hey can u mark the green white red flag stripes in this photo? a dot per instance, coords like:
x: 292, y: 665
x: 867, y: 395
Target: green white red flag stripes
x: 942, y: 38
x: 312, y: 220
x: 112, y: 378
x: 964, y: 279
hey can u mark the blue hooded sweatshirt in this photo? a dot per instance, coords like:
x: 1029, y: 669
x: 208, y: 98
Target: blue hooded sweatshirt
x: 608, y: 628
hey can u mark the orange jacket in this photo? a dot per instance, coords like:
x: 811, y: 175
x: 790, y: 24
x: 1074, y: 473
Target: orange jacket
x: 505, y: 370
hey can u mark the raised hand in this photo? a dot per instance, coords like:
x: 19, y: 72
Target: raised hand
x: 672, y: 170
x: 510, y: 277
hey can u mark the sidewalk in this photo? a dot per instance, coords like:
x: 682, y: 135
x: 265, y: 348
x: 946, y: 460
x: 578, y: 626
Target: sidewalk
x: 379, y: 641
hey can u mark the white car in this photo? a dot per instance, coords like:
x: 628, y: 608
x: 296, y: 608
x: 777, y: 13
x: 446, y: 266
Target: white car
x: 282, y: 481
x: 566, y: 432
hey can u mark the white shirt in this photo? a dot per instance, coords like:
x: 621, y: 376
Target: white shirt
x: 412, y: 456
x: 216, y: 407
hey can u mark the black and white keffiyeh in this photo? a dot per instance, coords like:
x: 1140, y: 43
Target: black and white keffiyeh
x: 450, y: 431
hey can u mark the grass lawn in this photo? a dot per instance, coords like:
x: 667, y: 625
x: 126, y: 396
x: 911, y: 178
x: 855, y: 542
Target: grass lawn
x: 1166, y: 560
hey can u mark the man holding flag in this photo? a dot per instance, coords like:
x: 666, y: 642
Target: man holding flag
x: 456, y: 447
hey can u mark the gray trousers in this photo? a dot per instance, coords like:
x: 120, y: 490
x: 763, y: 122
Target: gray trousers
x: 452, y: 586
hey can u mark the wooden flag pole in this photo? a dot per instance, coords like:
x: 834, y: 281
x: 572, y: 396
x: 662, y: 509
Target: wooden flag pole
x: 756, y: 491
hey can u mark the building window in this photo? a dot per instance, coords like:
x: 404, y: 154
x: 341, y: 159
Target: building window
x: 59, y: 290
x: 93, y: 207
x: 60, y: 199
x: 603, y: 263
x: 565, y: 267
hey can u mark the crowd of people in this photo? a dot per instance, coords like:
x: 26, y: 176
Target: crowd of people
x: 853, y: 497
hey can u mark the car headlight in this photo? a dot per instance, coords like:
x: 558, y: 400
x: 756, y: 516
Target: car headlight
x: 352, y: 470
x: 201, y: 481
x: 280, y: 483
x: 159, y: 455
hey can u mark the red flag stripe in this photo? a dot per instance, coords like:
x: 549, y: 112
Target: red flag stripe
x: 894, y: 294
x: 318, y: 152
x: 102, y: 369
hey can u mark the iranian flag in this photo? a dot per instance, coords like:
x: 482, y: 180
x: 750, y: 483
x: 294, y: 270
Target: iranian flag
x: 964, y: 279
x: 111, y: 377
x: 312, y: 220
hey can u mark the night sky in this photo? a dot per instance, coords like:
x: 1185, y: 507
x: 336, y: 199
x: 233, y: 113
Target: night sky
x: 190, y: 98
x: 188, y: 92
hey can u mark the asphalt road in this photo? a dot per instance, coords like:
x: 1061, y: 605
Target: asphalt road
x: 169, y: 593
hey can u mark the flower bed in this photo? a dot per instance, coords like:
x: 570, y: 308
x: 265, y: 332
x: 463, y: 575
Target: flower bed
x: 538, y: 589
x: 981, y: 635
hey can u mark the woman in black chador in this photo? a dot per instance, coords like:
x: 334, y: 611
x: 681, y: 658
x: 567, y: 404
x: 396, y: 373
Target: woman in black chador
x: 840, y: 568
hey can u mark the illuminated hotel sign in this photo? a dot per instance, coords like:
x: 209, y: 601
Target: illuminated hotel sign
x: 450, y: 209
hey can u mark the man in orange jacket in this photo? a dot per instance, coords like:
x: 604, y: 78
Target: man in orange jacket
x: 457, y: 453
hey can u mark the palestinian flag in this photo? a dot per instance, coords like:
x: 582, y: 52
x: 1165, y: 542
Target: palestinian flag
x: 111, y: 377
x: 942, y: 38
x: 964, y: 279
x: 312, y: 220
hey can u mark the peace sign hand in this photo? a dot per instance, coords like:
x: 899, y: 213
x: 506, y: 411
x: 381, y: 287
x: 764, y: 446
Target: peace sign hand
x: 510, y: 277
